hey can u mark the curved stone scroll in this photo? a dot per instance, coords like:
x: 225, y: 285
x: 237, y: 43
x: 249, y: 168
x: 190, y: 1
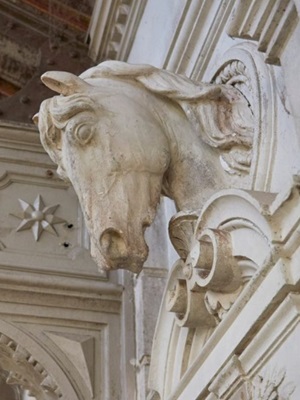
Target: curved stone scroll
x: 236, y: 241
x: 213, y: 269
x: 212, y: 280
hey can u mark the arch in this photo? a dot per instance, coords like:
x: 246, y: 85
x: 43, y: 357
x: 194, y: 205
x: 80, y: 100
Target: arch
x: 31, y: 367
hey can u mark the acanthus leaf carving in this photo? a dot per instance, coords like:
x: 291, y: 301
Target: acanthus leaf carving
x: 218, y: 303
x: 273, y: 385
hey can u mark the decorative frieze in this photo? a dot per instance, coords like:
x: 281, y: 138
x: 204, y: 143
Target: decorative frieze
x: 273, y: 385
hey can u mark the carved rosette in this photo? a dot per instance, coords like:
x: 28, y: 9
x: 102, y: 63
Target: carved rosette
x: 211, y: 274
x: 24, y: 370
x: 38, y: 217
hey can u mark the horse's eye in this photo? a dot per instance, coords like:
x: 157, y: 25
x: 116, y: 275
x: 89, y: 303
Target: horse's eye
x: 83, y: 133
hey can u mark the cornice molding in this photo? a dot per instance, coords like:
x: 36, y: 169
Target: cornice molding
x: 20, y: 136
x: 58, y: 292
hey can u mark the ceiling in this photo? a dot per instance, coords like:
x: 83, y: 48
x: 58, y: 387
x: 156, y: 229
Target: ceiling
x: 37, y: 36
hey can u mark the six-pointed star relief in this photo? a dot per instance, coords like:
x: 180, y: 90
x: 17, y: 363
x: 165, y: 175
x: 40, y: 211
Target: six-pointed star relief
x: 38, y: 218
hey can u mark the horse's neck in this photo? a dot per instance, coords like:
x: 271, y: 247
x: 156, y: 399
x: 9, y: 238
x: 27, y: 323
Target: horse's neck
x: 194, y: 173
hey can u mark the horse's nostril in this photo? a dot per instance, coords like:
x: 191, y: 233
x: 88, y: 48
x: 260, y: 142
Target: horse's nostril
x: 113, y: 244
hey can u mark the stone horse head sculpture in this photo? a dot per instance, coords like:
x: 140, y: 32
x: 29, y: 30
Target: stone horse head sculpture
x: 125, y: 134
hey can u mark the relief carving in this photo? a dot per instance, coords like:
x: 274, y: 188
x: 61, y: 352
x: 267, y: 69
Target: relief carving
x: 225, y: 255
x: 38, y: 217
x: 269, y: 387
x: 125, y: 134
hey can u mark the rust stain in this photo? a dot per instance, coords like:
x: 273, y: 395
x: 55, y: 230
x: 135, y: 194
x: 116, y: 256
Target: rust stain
x: 7, y: 88
x: 62, y: 12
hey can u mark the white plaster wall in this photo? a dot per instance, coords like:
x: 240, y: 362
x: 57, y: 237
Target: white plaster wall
x: 26, y: 396
x: 156, y: 31
x: 290, y: 61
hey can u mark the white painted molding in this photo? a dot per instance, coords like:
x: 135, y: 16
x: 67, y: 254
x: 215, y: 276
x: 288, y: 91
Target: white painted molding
x: 269, y: 23
x: 197, y: 35
x: 112, y: 28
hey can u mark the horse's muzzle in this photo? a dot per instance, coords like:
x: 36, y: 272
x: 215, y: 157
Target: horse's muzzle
x: 117, y: 252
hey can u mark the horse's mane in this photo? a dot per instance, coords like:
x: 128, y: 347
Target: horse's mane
x: 218, y: 112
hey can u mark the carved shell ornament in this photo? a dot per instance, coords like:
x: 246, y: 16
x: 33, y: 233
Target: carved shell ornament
x: 237, y: 159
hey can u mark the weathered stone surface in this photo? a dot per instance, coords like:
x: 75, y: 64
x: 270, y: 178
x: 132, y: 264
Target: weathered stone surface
x: 229, y: 321
x: 120, y: 126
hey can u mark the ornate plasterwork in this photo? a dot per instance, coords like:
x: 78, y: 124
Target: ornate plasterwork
x: 226, y: 253
x: 25, y: 371
x: 272, y: 383
x: 38, y: 217
x: 272, y: 386
x: 214, y: 266
x: 210, y: 277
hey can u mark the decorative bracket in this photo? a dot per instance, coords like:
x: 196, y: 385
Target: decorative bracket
x: 220, y: 252
x: 212, y: 280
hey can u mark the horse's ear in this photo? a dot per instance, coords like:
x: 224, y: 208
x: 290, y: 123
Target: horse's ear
x: 35, y: 119
x: 64, y: 82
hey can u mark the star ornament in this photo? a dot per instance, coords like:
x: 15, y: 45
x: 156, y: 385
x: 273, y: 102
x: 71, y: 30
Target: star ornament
x: 38, y: 218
